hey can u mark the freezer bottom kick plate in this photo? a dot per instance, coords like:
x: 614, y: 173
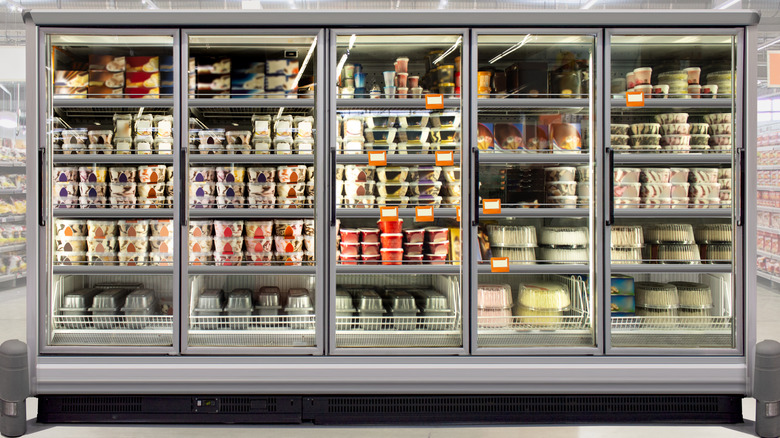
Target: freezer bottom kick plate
x: 342, y: 409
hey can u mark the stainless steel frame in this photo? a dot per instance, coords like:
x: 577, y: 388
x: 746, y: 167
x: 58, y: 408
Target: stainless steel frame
x: 545, y: 372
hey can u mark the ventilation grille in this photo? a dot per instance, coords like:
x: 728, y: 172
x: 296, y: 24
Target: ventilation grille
x: 540, y: 404
x: 116, y: 404
x: 246, y: 405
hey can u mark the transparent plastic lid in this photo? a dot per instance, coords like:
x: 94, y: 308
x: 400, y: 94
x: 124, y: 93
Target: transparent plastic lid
x: 494, y: 296
x: 523, y: 236
x: 400, y: 301
x: 693, y: 295
x: 368, y: 301
x: 627, y: 236
x: 210, y: 299
x: 79, y: 299
x: 298, y: 298
x: 239, y: 299
x: 653, y: 295
x: 564, y: 236
x: 344, y: 301
x: 110, y: 299
x: 711, y: 233
x: 428, y: 299
x: 544, y: 295
x: 140, y: 299
x: 669, y: 233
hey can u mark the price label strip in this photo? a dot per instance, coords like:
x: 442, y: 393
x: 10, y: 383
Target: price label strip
x: 635, y: 99
x: 499, y: 264
x: 388, y: 214
x: 377, y: 158
x: 445, y: 158
x: 423, y: 213
x: 491, y: 206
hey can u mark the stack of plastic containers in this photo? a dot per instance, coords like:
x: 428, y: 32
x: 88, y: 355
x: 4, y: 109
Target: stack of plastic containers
x: 494, y: 305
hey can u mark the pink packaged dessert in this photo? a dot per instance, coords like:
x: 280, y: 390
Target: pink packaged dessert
x: 626, y: 175
x: 259, y: 245
x: 368, y: 259
x: 350, y: 249
x: 679, y: 175
x: 259, y: 229
x: 122, y: 174
x: 436, y: 259
x: 288, y: 227
x: 260, y: 258
x: 679, y: 190
x: 392, y: 240
x: 439, y: 248
x: 346, y: 259
x: 161, y: 244
x: 371, y: 249
x: 433, y: 234
x: 656, y: 190
x: 414, y: 236
x: 392, y: 256
x: 413, y: 259
x: 413, y: 249
x: 65, y: 174
x: 151, y: 173
x: 494, y: 317
x: 369, y: 235
x: 92, y: 174
x: 200, y: 244
x: 133, y: 228
x: 494, y: 296
x: 391, y: 227
x: 286, y: 244
x: 704, y: 190
x: 349, y: 235
x: 202, y: 174
x: 291, y: 174
x: 133, y: 244
x: 228, y: 244
x: 228, y: 259
x: 655, y: 175
x: 230, y: 174
x: 228, y: 228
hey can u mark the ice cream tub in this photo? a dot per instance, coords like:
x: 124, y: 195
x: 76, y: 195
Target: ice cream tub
x: 359, y: 173
x: 439, y: 248
x: 392, y: 240
x: 66, y: 202
x: 71, y: 244
x: 202, y: 201
x: 131, y: 259
x: 562, y: 201
x: 288, y: 244
x: 436, y: 259
x: 288, y: 227
x: 228, y: 228
x: 349, y: 249
x: 230, y: 201
x: 97, y: 229
x: 70, y: 258
x: 679, y: 175
x: 133, y: 244
x: 561, y: 188
x: 416, y: 236
x: 101, y: 245
x: 414, y: 249
x: 289, y: 259
x: 679, y: 190
x: 200, y: 228
x: 133, y: 228
x: 358, y: 202
x: 627, y: 190
x: 295, y: 202
x: 290, y: 190
x: 123, y: 189
x: 426, y: 187
x: 261, y: 188
x: 230, y: 174
x: 228, y: 259
x: 124, y: 202
x: 151, y: 191
x: 369, y: 248
x: 101, y: 258
x: 703, y: 175
x: 369, y: 235
x: 122, y: 174
x: 259, y: 245
x: 627, y: 202
x: 291, y: 174
x: 161, y: 244
x: 92, y: 202
x: 161, y: 258
x: 67, y: 189
x: 65, y: 174
x: 228, y: 244
x: 656, y: 190
x: 679, y: 202
x: 200, y: 189
x: 200, y: 244
x: 346, y: 259
x: 704, y: 190
x: 435, y: 234
x: 169, y: 188
x: 92, y: 189
x: 267, y: 201
x: 452, y: 189
x: 656, y: 203
x: 259, y: 229
x: 365, y: 188
x: 202, y: 174
x: 259, y: 258
x: 230, y: 189
x: 151, y: 173
x: 261, y: 174
x: 392, y: 256
x: 308, y: 227
x: 451, y: 174
x: 92, y: 174
x: 200, y: 258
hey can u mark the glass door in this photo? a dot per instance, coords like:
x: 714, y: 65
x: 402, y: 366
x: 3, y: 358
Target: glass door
x: 254, y: 194
x: 674, y: 206
x: 107, y: 204
x: 397, y: 240
x: 534, y: 145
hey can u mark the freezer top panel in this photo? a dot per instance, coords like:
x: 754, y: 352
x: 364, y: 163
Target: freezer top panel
x: 470, y: 18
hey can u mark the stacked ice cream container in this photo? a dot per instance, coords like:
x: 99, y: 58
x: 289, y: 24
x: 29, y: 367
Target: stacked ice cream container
x: 87, y: 187
x: 393, y: 245
x: 494, y: 305
x: 406, y: 133
x: 232, y: 186
x: 356, y: 186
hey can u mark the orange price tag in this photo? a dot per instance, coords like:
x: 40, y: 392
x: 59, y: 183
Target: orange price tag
x: 445, y: 158
x: 457, y: 213
x: 434, y: 101
x: 423, y: 214
x: 377, y: 158
x: 388, y: 214
x: 499, y: 264
x: 635, y: 98
x: 491, y: 206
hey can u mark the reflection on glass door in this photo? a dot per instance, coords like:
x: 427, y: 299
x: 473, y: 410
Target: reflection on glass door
x: 674, y: 189
x: 253, y: 200
x: 397, y: 191
x: 536, y: 191
x: 109, y: 136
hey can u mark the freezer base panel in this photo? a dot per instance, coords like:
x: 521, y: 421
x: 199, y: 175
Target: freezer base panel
x: 405, y: 409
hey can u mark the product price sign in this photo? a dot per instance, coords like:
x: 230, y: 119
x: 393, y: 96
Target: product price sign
x: 635, y: 99
x: 499, y: 264
x: 423, y: 213
x: 434, y: 101
x: 445, y: 158
x: 457, y: 213
x: 491, y: 206
x: 377, y: 158
x: 388, y: 214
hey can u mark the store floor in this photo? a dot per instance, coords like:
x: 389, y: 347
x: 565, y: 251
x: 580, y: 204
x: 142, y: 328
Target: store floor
x: 12, y: 326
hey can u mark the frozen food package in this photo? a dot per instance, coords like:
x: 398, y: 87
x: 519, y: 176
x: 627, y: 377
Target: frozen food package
x: 92, y: 174
x: 261, y: 126
x: 304, y: 126
x: 133, y: 228
x: 151, y: 173
x: 230, y: 174
x: 283, y: 126
x: 122, y: 174
x: 291, y: 174
x: 163, y: 126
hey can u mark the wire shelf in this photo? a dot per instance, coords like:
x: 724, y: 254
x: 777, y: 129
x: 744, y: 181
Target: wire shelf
x: 402, y: 323
x: 398, y: 339
x: 650, y: 324
x: 534, y: 323
x: 256, y: 338
x: 542, y: 338
x: 252, y: 322
x: 162, y: 323
x: 114, y: 330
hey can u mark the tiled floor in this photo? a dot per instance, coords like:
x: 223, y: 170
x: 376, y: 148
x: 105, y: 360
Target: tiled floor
x: 12, y: 325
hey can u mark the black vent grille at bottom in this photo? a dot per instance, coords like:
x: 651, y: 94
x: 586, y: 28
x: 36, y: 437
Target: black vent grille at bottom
x: 79, y: 404
x: 548, y: 404
x: 245, y: 405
